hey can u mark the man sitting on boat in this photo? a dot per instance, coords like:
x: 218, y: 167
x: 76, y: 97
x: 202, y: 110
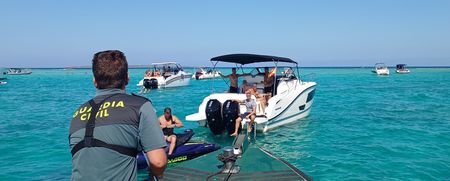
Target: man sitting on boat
x: 167, y: 123
x: 245, y: 87
x: 250, y: 113
x: 261, y: 97
x: 233, y: 80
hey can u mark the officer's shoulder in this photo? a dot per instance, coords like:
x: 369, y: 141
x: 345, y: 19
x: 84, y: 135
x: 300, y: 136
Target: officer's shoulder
x: 140, y: 97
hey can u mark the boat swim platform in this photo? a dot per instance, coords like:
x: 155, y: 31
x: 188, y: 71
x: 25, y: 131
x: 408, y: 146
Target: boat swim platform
x: 255, y: 164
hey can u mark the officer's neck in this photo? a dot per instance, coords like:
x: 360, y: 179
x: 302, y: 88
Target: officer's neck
x: 107, y: 91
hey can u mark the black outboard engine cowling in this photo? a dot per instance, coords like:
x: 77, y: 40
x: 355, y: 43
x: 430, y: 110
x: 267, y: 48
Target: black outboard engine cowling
x: 197, y: 75
x: 214, y: 116
x: 150, y: 83
x: 230, y: 114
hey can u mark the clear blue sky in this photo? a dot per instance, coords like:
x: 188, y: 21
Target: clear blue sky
x: 315, y: 33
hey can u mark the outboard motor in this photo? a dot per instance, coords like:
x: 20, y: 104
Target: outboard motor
x: 214, y: 116
x: 197, y: 75
x: 150, y: 83
x: 230, y: 114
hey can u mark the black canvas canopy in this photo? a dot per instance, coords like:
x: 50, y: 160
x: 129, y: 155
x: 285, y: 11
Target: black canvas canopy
x: 250, y: 58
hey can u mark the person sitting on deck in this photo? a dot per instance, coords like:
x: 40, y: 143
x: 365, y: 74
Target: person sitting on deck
x: 261, y: 97
x: 250, y: 113
x: 157, y: 73
x: 244, y: 86
x: 167, y: 123
x: 147, y: 73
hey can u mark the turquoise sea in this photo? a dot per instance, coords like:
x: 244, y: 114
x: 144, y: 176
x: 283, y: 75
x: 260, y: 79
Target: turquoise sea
x: 362, y: 126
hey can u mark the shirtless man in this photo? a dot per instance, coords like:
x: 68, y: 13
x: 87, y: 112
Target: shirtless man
x: 167, y: 123
x: 233, y: 80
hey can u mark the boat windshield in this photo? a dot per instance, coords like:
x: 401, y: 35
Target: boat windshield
x: 167, y: 68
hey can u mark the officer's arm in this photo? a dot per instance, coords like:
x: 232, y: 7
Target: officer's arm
x: 162, y: 123
x: 152, y: 139
x: 158, y: 160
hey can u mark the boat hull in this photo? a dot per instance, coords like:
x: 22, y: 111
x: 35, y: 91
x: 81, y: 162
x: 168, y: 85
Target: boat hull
x: 173, y: 81
x: 205, y: 76
x: 406, y: 71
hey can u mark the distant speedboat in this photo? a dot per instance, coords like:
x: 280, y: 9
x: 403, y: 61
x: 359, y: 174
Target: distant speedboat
x: 381, y: 69
x: 201, y: 73
x: 401, y: 69
x: 164, y: 75
x: 2, y: 83
x: 18, y: 71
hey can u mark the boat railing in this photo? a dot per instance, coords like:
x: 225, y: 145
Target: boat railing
x: 308, y: 77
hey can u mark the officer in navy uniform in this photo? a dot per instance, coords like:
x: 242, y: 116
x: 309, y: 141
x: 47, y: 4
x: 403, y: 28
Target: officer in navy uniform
x: 107, y: 132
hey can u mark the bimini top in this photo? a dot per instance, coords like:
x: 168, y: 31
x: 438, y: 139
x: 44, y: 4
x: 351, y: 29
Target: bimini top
x: 250, y: 58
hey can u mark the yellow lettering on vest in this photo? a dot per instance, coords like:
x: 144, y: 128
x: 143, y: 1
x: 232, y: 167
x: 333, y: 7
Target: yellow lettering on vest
x: 82, y: 110
x: 106, y: 113
x: 106, y: 105
x: 96, y: 115
x: 120, y: 104
x: 113, y: 104
x: 83, y: 117
x: 89, y: 110
x: 89, y: 116
x: 75, y: 114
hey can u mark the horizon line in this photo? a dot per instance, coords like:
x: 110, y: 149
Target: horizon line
x: 149, y: 66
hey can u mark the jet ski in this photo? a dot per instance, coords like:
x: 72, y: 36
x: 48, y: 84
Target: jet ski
x: 184, y: 150
x: 3, y: 82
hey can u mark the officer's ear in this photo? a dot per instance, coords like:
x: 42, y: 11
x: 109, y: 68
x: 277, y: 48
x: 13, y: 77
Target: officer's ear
x: 95, y: 82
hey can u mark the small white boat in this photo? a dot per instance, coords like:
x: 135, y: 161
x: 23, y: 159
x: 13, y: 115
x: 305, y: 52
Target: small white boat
x: 2, y: 73
x: 381, y: 69
x: 209, y: 73
x: 2, y: 83
x: 292, y: 98
x: 401, y: 69
x: 164, y: 75
x: 18, y: 71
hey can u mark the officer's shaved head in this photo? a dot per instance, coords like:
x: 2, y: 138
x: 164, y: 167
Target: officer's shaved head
x: 110, y: 69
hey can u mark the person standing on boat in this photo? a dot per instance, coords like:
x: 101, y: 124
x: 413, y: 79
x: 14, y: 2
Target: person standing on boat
x: 233, y: 80
x: 268, y: 80
x: 250, y: 113
x: 107, y: 132
x: 167, y: 123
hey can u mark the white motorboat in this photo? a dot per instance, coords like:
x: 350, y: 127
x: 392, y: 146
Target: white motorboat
x: 401, y: 69
x: 205, y: 73
x: 292, y: 98
x: 164, y: 75
x: 18, y: 71
x: 381, y: 69
x: 2, y: 73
